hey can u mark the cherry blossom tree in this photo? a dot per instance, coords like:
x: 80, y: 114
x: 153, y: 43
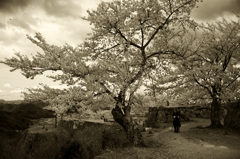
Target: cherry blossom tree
x: 129, y: 39
x: 212, y: 63
x: 216, y: 64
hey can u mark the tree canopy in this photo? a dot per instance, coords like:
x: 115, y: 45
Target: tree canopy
x: 214, y: 65
x: 128, y: 40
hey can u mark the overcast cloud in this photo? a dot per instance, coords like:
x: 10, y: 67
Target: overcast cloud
x: 211, y: 9
x: 51, y: 7
x: 12, y: 6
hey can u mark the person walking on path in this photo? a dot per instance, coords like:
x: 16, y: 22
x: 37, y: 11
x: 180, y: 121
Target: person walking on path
x: 176, y: 122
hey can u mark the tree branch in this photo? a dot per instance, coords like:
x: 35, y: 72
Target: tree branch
x: 142, y: 36
x: 130, y: 42
x: 165, y: 22
x: 108, y: 91
x: 233, y: 81
x: 226, y: 61
x: 170, y: 6
x: 205, y: 87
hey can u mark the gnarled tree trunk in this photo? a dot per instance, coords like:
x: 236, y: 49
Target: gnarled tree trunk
x: 123, y: 118
x: 215, y: 112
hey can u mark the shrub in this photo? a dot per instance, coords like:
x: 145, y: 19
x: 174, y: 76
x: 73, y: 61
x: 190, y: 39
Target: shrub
x: 40, y: 146
x: 12, y: 147
x: 31, y: 146
x: 114, y: 138
x: 85, y: 142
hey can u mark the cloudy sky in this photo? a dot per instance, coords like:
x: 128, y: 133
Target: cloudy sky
x: 59, y: 22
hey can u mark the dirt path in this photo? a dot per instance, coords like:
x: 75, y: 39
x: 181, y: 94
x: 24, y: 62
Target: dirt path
x: 189, y: 143
x: 182, y: 146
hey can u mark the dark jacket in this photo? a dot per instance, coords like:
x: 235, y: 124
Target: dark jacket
x: 176, y: 121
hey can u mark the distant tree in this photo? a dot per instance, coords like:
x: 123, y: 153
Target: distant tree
x: 128, y: 40
x: 212, y: 62
x: 62, y: 101
x: 207, y: 70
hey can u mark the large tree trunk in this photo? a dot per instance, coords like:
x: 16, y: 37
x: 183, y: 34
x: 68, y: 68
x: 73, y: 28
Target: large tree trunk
x: 215, y: 113
x: 123, y: 118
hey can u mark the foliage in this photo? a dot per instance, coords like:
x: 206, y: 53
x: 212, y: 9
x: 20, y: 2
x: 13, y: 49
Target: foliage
x: 86, y: 143
x: 61, y: 101
x: 112, y: 139
x: 208, y: 66
x: 129, y: 39
x: 214, y: 66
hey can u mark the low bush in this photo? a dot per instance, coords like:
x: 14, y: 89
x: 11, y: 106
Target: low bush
x: 11, y: 148
x: 85, y: 142
x: 114, y: 138
x: 31, y: 146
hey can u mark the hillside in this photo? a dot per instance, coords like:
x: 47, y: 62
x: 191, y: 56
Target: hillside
x: 18, y: 116
x: 10, y: 106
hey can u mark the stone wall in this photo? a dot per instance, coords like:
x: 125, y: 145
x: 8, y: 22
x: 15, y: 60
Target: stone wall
x: 158, y: 115
x: 232, y: 118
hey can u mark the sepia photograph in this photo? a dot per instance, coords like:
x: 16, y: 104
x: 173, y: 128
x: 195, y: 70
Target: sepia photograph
x: 119, y: 79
